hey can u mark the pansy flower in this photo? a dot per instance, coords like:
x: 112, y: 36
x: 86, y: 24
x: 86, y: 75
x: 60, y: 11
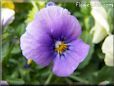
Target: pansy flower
x: 53, y: 37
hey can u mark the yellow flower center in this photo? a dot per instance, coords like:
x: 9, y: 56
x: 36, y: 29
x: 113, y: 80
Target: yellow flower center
x: 60, y: 47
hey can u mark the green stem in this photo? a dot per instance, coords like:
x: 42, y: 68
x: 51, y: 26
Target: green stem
x: 79, y: 79
x: 49, y: 78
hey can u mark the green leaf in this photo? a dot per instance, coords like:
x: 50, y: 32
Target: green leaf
x: 86, y: 37
x: 32, y: 12
x: 16, y: 49
x: 106, y: 73
x: 15, y: 81
x: 86, y: 9
x: 87, y: 73
x: 79, y: 79
x: 5, y: 50
x: 20, y: 30
x: 89, y: 22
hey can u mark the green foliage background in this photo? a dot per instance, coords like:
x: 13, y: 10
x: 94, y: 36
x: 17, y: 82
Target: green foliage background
x: 91, y: 71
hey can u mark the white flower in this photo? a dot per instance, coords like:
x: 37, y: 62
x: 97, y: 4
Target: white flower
x: 101, y: 28
x: 7, y: 16
x: 107, y: 48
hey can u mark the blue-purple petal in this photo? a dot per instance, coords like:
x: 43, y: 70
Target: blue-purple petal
x: 80, y: 48
x: 66, y: 64
x: 35, y: 45
x: 58, y: 22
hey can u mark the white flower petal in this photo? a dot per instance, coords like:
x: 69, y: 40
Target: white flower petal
x: 107, y: 46
x: 101, y: 28
x: 7, y: 16
x: 109, y: 60
x: 96, y: 5
x: 99, y: 33
x: 100, y: 19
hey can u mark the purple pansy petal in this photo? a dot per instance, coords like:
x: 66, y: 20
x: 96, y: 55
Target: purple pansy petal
x: 72, y: 29
x: 59, y: 22
x: 28, y: 44
x: 51, y: 12
x: 47, y: 16
x: 43, y: 59
x: 39, y: 34
x: 80, y: 48
x: 68, y: 28
x: 37, y: 52
x: 65, y: 65
x: 35, y: 42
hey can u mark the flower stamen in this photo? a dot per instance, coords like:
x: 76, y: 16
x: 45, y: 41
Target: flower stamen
x: 60, y: 47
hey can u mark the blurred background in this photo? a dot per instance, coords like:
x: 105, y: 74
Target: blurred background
x: 97, y: 25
